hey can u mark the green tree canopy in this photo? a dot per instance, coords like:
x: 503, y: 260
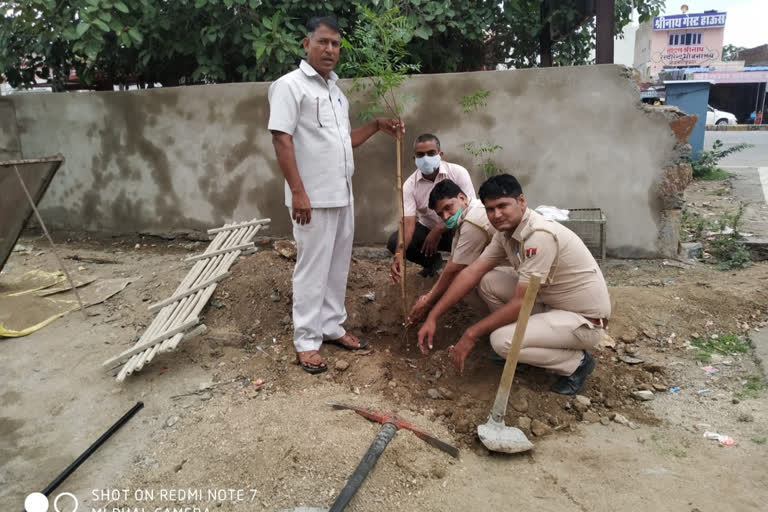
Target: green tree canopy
x: 207, y: 41
x: 730, y: 52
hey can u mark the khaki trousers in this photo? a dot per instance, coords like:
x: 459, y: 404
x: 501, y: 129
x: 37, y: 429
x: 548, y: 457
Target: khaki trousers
x: 554, y: 339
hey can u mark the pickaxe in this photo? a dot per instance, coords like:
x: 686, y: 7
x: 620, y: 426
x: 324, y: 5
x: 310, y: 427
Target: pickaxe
x: 391, y: 423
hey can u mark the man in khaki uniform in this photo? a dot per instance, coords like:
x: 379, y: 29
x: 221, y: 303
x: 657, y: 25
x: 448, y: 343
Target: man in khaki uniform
x: 572, y: 307
x: 472, y: 232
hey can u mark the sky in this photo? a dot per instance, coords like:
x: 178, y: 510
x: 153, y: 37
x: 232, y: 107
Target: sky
x: 746, y: 22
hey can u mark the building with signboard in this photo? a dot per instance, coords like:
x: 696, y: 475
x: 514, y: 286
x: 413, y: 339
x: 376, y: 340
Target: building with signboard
x: 679, y: 41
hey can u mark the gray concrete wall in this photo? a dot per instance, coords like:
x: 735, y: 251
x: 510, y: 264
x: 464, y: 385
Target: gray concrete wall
x: 10, y: 148
x: 196, y: 157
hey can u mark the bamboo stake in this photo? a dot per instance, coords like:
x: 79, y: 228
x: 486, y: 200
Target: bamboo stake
x: 220, y: 251
x: 238, y: 226
x: 401, y: 227
x: 50, y: 240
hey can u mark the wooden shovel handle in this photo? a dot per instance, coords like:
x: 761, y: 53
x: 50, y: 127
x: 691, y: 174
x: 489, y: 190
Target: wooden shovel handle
x: 502, y: 395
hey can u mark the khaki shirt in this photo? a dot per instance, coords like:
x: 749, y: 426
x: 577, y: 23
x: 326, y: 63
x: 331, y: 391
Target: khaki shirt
x: 473, y: 234
x: 571, y: 278
x: 316, y: 114
x: 416, y: 191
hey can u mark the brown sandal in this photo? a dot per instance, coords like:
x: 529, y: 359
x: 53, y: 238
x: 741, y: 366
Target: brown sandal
x: 360, y: 344
x: 308, y: 366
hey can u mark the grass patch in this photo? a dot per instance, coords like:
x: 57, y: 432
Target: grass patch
x: 714, y: 175
x: 725, y: 345
x: 730, y: 250
x: 760, y: 440
x: 751, y: 388
x: 705, y: 166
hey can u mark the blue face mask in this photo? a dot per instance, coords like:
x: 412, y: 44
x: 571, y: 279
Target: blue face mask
x: 453, y: 221
x: 428, y: 164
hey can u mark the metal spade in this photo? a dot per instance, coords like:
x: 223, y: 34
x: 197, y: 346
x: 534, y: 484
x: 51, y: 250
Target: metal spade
x: 494, y: 434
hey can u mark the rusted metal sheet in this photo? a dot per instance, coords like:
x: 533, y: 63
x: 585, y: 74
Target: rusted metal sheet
x: 15, y: 209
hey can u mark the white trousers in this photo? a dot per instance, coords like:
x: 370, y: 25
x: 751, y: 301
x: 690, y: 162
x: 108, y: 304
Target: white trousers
x: 324, y: 250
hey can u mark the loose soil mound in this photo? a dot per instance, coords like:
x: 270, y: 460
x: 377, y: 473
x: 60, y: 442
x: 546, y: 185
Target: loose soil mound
x: 660, y: 314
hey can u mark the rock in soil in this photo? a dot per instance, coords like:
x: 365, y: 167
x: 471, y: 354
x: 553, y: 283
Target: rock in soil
x: 621, y: 420
x: 286, y: 249
x: 643, y: 395
x: 434, y: 394
x: 583, y: 400
x: 590, y: 417
x: 341, y: 365
x: 519, y: 403
x: 524, y: 422
x: 540, y: 429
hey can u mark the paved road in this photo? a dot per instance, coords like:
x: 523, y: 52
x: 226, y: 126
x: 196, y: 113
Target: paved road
x: 756, y: 156
x: 750, y: 165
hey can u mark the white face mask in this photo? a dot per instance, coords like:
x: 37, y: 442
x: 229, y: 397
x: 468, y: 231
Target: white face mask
x: 428, y: 164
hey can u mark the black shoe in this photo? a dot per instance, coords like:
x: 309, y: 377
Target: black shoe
x: 433, y: 268
x: 573, y: 383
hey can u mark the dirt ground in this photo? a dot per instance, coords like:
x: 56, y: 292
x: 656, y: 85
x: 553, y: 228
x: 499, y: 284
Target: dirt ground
x: 231, y: 424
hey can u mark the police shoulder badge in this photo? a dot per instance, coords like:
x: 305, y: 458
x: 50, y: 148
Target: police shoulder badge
x: 529, y: 253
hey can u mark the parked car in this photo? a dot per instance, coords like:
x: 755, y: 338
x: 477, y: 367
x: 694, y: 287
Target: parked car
x: 719, y: 117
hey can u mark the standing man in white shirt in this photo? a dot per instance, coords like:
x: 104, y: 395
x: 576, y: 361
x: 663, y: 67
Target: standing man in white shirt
x: 313, y: 140
x: 425, y: 232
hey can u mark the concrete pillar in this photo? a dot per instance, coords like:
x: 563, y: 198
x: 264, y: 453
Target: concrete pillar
x: 10, y: 147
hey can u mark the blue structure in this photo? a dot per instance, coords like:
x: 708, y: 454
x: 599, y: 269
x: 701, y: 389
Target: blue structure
x: 692, y: 97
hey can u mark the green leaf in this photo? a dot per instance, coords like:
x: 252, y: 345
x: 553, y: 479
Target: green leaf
x: 82, y: 28
x: 260, y: 50
x: 135, y: 35
x: 92, y: 49
x: 103, y: 26
x: 105, y: 16
x: 120, y: 6
x: 69, y: 34
x: 200, y: 3
x: 125, y: 39
x: 94, y: 3
x: 267, y: 23
x: 422, y: 32
x: 116, y: 26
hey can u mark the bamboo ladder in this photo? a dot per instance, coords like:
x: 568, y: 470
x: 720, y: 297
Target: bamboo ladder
x: 180, y: 312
